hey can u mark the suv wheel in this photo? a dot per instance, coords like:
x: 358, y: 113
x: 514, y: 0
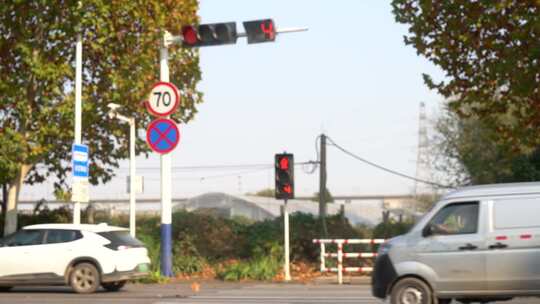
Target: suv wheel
x: 84, y: 278
x: 113, y: 286
x: 411, y: 291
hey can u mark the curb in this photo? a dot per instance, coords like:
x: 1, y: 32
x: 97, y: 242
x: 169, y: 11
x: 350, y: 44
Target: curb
x: 346, y: 280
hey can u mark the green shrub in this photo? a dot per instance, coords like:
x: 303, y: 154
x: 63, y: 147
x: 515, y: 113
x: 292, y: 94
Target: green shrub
x: 264, y: 265
x: 201, y: 239
x: 186, y: 257
x: 214, y: 237
x: 153, y: 246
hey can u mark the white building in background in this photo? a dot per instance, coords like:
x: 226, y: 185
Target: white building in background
x: 366, y: 210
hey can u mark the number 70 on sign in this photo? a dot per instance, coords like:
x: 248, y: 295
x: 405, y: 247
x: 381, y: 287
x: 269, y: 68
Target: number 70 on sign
x: 163, y: 99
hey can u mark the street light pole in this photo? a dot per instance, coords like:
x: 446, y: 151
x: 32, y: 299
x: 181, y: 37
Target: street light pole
x: 132, y: 173
x: 132, y: 176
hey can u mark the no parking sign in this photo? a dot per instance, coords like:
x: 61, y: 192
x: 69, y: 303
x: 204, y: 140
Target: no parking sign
x: 162, y: 135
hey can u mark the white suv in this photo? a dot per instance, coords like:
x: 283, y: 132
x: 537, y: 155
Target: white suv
x: 82, y: 256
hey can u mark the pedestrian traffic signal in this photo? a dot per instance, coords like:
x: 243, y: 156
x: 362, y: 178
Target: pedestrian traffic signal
x: 284, y: 164
x: 209, y: 34
x: 258, y: 31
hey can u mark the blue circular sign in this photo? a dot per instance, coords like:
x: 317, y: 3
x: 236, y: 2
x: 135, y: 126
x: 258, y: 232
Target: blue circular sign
x: 162, y: 135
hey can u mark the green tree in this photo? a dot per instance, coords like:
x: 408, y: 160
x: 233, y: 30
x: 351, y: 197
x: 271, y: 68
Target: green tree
x: 469, y: 150
x: 489, y: 53
x: 120, y: 64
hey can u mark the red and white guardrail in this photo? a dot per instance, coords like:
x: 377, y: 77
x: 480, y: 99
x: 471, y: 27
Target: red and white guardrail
x: 340, y: 255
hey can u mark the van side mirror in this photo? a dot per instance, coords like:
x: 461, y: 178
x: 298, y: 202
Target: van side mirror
x: 428, y: 230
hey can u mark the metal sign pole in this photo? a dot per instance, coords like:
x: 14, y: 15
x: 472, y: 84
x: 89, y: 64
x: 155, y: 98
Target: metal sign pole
x: 166, y: 202
x: 78, y: 114
x: 286, y: 224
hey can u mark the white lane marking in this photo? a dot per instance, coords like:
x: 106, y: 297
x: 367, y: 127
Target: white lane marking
x: 281, y: 298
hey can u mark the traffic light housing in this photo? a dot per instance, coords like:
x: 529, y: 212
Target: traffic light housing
x: 209, y: 34
x: 258, y: 31
x: 284, y: 164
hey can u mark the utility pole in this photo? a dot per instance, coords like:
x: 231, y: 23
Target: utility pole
x: 322, y: 187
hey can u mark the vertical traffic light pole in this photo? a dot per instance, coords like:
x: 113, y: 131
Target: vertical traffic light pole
x: 286, y: 267
x: 284, y: 189
x: 257, y: 31
x: 166, y: 179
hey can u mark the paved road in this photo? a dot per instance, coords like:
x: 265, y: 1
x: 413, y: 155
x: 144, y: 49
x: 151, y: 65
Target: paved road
x: 210, y: 292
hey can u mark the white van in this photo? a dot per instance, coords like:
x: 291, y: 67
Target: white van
x: 477, y: 244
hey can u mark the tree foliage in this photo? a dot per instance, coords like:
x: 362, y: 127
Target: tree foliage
x: 470, y: 151
x: 489, y: 53
x: 121, y: 41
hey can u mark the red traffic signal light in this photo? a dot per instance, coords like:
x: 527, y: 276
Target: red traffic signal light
x: 189, y: 34
x: 209, y: 34
x: 284, y: 164
x: 258, y: 31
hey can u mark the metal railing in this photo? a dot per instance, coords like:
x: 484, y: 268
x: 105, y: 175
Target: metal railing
x: 340, y: 255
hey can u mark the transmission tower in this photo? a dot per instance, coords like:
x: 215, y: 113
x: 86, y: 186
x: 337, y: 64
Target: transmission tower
x: 423, y: 163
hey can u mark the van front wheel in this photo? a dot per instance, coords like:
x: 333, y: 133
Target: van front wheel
x: 411, y: 291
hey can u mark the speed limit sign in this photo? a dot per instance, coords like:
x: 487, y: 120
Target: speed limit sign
x: 163, y: 99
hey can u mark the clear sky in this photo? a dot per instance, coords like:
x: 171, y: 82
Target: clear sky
x: 350, y: 76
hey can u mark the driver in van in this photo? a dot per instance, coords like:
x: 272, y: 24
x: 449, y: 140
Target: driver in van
x: 464, y: 220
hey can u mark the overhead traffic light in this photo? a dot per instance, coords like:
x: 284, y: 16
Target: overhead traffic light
x: 209, y: 34
x: 258, y: 31
x: 284, y: 164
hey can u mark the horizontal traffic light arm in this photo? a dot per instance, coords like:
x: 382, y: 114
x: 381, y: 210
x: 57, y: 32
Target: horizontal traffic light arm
x: 169, y: 39
x: 281, y: 31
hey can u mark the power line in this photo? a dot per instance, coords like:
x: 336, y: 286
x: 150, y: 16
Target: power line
x: 216, y: 167
x: 383, y: 168
x: 202, y: 178
x: 258, y: 168
x: 209, y: 168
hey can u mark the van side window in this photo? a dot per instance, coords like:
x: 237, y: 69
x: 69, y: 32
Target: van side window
x: 458, y: 218
x: 524, y: 213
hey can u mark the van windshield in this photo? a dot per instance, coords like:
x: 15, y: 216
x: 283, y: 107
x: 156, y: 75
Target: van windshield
x: 421, y: 218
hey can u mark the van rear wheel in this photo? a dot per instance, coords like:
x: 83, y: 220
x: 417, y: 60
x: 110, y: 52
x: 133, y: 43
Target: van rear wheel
x: 411, y: 291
